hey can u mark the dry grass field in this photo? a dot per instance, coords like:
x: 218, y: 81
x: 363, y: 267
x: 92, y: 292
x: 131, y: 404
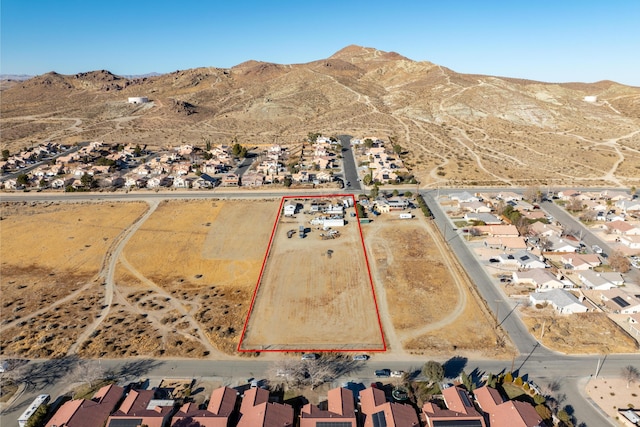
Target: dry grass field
x: 52, y: 255
x: 309, y: 299
x: 191, y: 268
x: 585, y: 333
x: 427, y: 294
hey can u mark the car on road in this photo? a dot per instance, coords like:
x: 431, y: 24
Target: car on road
x: 397, y: 374
x: 360, y: 357
x: 494, y: 260
x: 309, y: 356
x: 596, y: 249
x: 383, y: 373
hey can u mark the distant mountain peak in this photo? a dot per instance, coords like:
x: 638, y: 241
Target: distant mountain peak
x: 355, y: 53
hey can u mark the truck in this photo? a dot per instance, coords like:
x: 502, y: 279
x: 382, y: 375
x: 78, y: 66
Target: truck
x: 301, y: 232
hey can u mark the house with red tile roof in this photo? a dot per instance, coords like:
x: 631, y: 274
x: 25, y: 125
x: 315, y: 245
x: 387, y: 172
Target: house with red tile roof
x: 377, y: 411
x: 140, y: 407
x: 340, y: 408
x: 88, y: 413
x: 257, y: 411
x: 459, y: 411
x: 217, y: 414
x: 511, y: 413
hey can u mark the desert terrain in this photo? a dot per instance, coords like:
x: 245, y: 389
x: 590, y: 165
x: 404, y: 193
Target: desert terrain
x: 314, y: 294
x: 175, y: 278
x: 456, y: 129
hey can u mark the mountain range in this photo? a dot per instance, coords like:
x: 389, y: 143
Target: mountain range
x: 454, y: 128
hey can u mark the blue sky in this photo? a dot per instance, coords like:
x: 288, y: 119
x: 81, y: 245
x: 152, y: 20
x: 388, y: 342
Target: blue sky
x: 554, y: 41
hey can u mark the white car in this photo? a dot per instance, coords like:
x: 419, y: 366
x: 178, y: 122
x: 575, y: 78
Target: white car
x: 309, y: 356
x: 397, y: 374
x: 597, y: 249
x: 361, y: 357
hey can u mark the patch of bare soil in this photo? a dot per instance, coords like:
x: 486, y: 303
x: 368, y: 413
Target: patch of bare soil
x: 429, y: 297
x: 584, y: 333
x: 193, y: 275
x: 52, y: 254
x: 315, y: 293
x: 613, y: 394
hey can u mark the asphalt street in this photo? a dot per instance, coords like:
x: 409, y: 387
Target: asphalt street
x: 349, y: 165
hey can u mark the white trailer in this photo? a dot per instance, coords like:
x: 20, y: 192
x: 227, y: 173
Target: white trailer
x: 28, y: 413
x: 406, y: 216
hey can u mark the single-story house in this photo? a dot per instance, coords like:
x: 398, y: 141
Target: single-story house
x: 622, y: 228
x: 628, y: 205
x: 526, y: 259
x: 505, y: 243
x: 504, y: 230
x: 563, y: 301
x: 340, y: 410
x: 217, y: 413
x: 562, y: 244
x: 620, y: 301
x: 140, y: 407
x: 257, y: 411
x: 542, y: 229
x: 600, y: 281
x: 511, y: 413
x: 541, y: 278
x: 88, y: 412
x: 477, y: 207
x: 230, y: 180
x: 377, y: 411
x: 486, y: 218
x: 577, y: 261
x: 459, y: 410
x: 464, y: 197
x: 632, y: 242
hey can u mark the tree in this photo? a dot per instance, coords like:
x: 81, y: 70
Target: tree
x: 5, y: 155
x: 22, y: 179
x: 565, y: 418
x: 360, y: 210
x: 467, y: 381
x: 38, y: 417
x: 544, y: 243
x: 395, y: 193
x: 408, y: 194
x: 367, y: 179
x: 433, y: 371
x: 88, y: 181
x: 630, y: 374
x: 619, y: 262
x: 397, y: 149
x: 313, y: 136
x: 287, y: 181
x: 368, y: 143
x: 88, y: 371
x: 533, y: 194
x: 508, y: 378
x: 137, y: 151
x: 575, y: 204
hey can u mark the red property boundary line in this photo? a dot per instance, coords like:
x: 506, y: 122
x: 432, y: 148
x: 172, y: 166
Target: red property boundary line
x: 264, y: 262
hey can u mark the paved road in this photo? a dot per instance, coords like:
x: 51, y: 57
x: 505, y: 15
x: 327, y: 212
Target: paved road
x: 349, y: 164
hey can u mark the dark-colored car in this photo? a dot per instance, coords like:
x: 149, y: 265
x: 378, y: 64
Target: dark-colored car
x: 383, y: 373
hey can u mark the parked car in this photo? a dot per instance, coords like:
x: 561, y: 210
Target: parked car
x: 397, y: 374
x: 597, y: 249
x: 360, y: 357
x: 383, y: 373
x: 494, y: 260
x: 309, y: 356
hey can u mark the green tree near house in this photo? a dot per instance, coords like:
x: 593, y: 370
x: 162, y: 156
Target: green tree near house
x: 368, y: 142
x: 88, y: 181
x: 433, y: 371
x: 22, y: 179
x: 38, y: 417
x: 5, y: 155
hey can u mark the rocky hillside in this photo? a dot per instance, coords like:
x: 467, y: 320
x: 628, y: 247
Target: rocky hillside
x: 456, y: 127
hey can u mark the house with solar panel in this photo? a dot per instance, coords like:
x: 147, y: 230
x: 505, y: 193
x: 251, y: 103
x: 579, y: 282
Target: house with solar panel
x: 378, y: 412
x: 459, y: 410
x: 338, y: 411
x: 619, y: 301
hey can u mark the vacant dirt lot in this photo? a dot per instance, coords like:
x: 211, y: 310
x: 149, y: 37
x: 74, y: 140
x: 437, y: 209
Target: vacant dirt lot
x: 612, y: 394
x: 50, y: 282
x: 310, y: 299
x: 191, y: 269
x: 586, y: 333
x: 427, y: 295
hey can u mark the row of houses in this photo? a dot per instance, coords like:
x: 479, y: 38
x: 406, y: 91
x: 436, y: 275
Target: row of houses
x: 114, y: 406
x: 384, y: 166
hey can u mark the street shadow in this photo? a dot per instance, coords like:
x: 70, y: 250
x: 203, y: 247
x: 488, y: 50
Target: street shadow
x: 509, y: 313
x: 454, y: 366
x: 133, y: 369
